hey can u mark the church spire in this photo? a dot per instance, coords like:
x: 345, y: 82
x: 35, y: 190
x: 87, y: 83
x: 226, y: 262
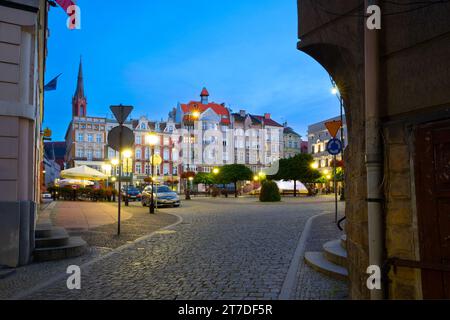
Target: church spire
x: 79, y: 92
x: 79, y: 103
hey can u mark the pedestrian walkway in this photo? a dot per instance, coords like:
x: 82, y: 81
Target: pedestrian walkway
x: 312, y: 285
x: 78, y: 215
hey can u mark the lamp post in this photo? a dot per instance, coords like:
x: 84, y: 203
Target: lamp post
x: 191, y: 117
x: 107, y: 169
x: 127, y: 155
x: 152, y: 140
x: 336, y: 92
x: 114, y: 163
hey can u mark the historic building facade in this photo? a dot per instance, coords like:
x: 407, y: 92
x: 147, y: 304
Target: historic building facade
x: 23, y: 37
x: 292, y: 142
x: 318, y: 137
x: 86, y: 135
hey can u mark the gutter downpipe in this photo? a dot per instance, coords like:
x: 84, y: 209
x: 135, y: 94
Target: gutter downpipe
x: 373, y: 158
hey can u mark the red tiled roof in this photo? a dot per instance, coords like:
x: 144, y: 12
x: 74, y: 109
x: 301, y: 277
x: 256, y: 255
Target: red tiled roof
x: 217, y: 108
x: 204, y: 93
x: 268, y: 122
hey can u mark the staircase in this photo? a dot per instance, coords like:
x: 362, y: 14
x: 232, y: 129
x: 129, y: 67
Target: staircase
x: 332, y: 261
x: 54, y: 243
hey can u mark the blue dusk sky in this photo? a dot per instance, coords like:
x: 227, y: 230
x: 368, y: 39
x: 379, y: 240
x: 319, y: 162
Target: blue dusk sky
x: 154, y: 53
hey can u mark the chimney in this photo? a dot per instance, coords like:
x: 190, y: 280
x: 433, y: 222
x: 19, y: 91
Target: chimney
x: 242, y: 113
x: 285, y: 124
x: 266, y: 115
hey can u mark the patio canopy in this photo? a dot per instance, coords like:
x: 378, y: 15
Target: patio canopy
x: 83, y: 173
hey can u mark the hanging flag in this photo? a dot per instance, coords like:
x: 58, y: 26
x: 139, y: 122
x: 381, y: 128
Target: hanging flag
x: 52, y: 84
x: 65, y: 4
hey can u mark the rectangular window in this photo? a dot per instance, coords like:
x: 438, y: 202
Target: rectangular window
x: 138, y: 139
x: 98, y: 154
x: 80, y: 137
x: 138, y: 154
x: 90, y: 137
x: 89, y: 154
x: 166, y: 154
x: 166, y: 169
x: 99, y: 138
x: 138, y: 168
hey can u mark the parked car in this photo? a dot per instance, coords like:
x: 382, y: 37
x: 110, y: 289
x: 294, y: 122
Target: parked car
x: 163, y: 196
x: 133, y: 193
x: 46, y: 197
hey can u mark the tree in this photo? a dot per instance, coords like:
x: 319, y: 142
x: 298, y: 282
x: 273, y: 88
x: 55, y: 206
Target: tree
x: 204, y: 178
x: 298, y: 168
x: 232, y: 173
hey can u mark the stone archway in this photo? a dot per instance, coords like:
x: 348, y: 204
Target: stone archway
x: 347, y: 71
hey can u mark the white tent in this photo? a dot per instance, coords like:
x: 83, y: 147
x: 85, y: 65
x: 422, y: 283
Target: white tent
x: 83, y: 173
x: 289, y: 186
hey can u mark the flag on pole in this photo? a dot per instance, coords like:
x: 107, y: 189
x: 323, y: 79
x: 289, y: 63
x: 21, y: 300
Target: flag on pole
x: 65, y: 4
x: 52, y: 84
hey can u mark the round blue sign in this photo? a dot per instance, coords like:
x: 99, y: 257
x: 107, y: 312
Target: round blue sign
x: 334, y: 146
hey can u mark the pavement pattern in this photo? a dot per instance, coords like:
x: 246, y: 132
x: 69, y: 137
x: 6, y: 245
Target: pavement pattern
x: 223, y: 249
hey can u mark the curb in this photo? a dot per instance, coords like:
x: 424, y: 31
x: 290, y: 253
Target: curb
x: 291, y: 276
x: 87, y: 264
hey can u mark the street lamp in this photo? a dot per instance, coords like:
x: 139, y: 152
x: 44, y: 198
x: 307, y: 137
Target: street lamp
x: 127, y: 155
x: 216, y: 171
x: 314, y: 165
x: 151, y: 139
x: 191, y: 117
x: 107, y: 168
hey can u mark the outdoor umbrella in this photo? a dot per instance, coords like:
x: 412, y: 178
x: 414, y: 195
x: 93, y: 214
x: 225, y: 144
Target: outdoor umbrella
x: 83, y: 173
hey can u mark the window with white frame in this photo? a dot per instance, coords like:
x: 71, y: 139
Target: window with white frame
x: 98, y: 154
x: 90, y: 137
x: 99, y: 138
x: 80, y: 136
x: 138, y: 168
x: 138, y: 139
x: 166, y: 169
x: 166, y: 154
x: 138, y: 153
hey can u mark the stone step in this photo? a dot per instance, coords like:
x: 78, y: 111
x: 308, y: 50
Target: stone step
x: 45, y: 230
x: 75, y: 247
x: 58, y: 237
x: 334, y: 252
x: 344, y: 241
x: 318, y: 262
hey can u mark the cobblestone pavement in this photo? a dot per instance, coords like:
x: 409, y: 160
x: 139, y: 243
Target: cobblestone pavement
x: 312, y: 285
x: 223, y: 249
x: 101, y: 240
x: 139, y: 224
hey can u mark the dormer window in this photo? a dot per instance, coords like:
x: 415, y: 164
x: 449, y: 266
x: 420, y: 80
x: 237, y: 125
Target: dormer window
x: 143, y: 126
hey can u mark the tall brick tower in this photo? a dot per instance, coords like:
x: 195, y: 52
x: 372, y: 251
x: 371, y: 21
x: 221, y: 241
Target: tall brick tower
x: 79, y: 102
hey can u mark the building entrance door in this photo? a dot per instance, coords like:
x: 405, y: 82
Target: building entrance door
x: 432, y: 174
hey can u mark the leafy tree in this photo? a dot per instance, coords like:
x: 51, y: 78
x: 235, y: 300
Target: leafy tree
x: 232, y: 173
x: 203, y: 178
x: 298, y: 168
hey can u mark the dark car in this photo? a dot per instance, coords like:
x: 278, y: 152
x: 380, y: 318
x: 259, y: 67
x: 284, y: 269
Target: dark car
x: 132, y: 193
x: 163, y: 196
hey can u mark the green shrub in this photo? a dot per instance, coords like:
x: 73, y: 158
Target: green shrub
x: 269, y: 192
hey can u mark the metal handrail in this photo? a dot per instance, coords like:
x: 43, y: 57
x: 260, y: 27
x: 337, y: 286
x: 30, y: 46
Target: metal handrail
x: 339, y: 223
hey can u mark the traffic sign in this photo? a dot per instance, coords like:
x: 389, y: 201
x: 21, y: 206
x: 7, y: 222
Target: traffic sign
x: 156, y: 160
x: 334, y: 146
x: 127, y: 138
x: 333, y: 127
x: 121, y: 112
